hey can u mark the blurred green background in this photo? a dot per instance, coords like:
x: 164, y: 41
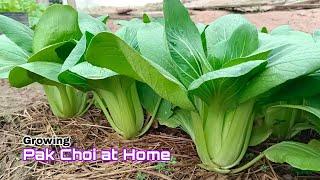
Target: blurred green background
x: 30, y: 7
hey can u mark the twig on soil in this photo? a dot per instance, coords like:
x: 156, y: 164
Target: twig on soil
x: 272, y: 170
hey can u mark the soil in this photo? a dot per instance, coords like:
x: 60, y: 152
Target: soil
x: 302, y: 20
x: 24, y: 111
x: 13, y: 100
x: 92, y: 130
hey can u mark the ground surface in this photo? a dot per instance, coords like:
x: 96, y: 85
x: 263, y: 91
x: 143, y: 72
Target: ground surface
x: 16, y: 120
x: 303, y: 20
x: 14, y: 100
x: 92, y: 130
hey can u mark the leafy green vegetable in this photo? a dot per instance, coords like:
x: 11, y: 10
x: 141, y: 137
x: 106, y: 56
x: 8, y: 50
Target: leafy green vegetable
x: 287, y: 113
x: 52, y: 43
x: 116, y: 95
x: 298, y: 155
x: 17, y: 32
x: 10, y: 56
x: 215, y: 78
x: 50, y: 30
x: 103, y: 45
x: 150, y: 100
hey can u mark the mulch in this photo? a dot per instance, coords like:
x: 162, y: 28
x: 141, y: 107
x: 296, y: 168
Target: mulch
x: 92, y: 130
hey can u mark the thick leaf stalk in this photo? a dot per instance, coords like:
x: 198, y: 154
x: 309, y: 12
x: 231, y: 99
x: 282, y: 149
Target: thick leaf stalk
x: 66, y: 101
x: 121, y: 105
x: 224, y: 136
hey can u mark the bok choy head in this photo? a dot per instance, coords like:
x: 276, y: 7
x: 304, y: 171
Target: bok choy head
x: 293, y: 106
x: 37, y: 56
x: 114, y: 93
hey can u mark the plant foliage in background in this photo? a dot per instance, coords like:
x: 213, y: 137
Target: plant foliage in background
x: 31, y: 7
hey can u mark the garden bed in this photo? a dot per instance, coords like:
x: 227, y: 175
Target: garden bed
x: 92, y: 130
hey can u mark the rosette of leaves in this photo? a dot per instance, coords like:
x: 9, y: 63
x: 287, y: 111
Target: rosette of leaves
x: 29, y: 56
x: 293, y: 106
x: 120, y: 97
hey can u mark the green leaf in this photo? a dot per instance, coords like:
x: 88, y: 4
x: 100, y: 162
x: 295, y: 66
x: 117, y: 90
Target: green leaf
x: 309, y: 109
x: 184, y: 41
x: 148, y: 43
x: 149, y: 100
x: 212, y: 78
x: 90, y: 24
x: 58, y: 24
x: 181, y: 118
x: 285, y: 64
x: 201, y: 27
x: 266, y: 44
x: 264, y: 30
x: 298, y: 155
x: 47, y: 70
x: 313, y: 101
x: 291, y: 36
x: 103, y: 18
x: 82, y: 74
x: 316, y: 36
x: 280, y: 30
x: 281, y: 120
x: 303, y: 87
x: 89, y: 71
x: 315, y: 144
x: 298, y: 127
x: 109, y: 51
x: 17, y: 32
x: 54, y: 54
x: 259, y: 135
x: 10, y: 56
x: 221, y: 30
x: 146, y: 18
x: 75, y: 55
x: 243, y: 42
x: 172, y: 122
x: 73, y: 74
x: 128, y: 32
